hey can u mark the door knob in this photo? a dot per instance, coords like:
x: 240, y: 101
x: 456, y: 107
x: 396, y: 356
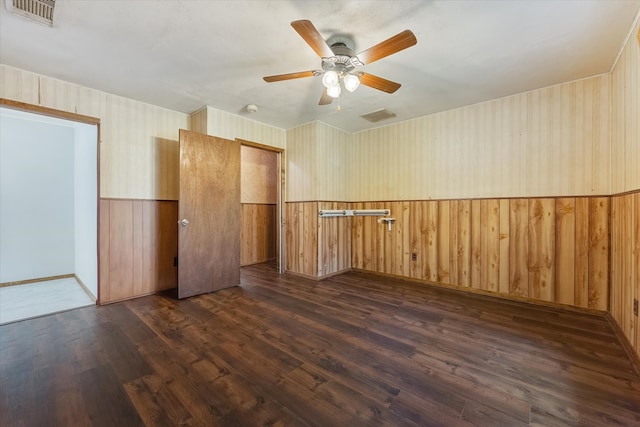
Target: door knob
x: 183, y: 222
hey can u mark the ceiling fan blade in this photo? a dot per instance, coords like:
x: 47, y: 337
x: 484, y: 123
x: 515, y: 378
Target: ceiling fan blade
x: 313, y: 38
x: 325, y: 99
x: 379, y: 83
x: 388, y: 47
x: 288, y: 76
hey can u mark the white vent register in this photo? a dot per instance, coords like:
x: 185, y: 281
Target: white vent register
x: 35, y: 10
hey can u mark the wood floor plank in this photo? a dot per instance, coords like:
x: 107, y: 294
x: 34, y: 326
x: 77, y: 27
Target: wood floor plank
x: 351, y: 350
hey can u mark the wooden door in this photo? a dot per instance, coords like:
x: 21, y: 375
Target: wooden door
x: 208, y: 214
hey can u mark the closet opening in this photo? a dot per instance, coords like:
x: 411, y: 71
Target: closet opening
x: 48, y: 211
x: 262, y: 190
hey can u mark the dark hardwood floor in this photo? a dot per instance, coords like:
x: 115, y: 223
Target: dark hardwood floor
x: 348, y: 351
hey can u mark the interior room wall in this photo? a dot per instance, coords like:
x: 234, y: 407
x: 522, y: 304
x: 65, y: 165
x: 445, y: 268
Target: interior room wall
x: 547, y: 142
x: 86, y: 206
x: 36, y: 199
x: 625, y: 174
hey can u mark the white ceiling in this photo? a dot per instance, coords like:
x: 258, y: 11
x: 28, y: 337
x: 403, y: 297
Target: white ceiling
x: 184, y: 55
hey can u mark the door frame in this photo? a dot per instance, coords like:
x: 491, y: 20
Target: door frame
x: 73, y: 117
x: 280, y: 216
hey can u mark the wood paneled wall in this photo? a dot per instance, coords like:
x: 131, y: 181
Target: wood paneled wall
x: 625, y: 264
x: 334, y: 241
x: 138, y: 244
x: 544, y: 249
x: 317, y: 247
x: 625, y: 176
x: 301, y: 234
x: 259, y: 233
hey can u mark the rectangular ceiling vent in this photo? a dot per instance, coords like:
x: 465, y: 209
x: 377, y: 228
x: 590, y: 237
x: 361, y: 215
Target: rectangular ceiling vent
x: 35, y: 10
x: 378, y: 115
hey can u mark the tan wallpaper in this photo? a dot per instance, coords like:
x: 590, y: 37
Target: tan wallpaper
x: 139, y: 142
x: 625, y: 108
x: 548, y: 142
x: 232, y: 126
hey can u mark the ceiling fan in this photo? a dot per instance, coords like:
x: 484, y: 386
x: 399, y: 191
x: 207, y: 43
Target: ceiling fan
x: 340, y: 63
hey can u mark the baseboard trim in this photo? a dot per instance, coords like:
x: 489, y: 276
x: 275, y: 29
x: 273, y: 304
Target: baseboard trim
x: 39, y: 279
x: 487, y: 294
x: 85, y: 288
x: 628, y: 348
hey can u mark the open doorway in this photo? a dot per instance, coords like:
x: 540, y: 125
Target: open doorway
x: 261, y: 186
x: 48, y: 214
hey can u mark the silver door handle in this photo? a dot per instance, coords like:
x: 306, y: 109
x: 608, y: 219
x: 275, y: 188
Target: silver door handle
x: 183, y: 222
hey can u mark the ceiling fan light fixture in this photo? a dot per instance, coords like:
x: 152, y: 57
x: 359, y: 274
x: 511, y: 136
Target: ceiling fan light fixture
x: 334, y: 91
x: 330, y: 79
x: 351, y: 82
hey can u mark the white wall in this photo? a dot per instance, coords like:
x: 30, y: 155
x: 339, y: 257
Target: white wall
x: 36, y: 199
x: 48, y: 198
x: 86, y: 205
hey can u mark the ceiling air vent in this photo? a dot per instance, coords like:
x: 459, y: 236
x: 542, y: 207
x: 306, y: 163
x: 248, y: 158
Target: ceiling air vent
x: 36, y: 10
x: 378, y: 115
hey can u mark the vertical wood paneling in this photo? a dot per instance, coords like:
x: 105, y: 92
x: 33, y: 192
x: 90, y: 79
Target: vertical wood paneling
x: 519, y: 249
x: 582, y: 245
x: 443, y: 275
x: 505, y: 241
x: 565, y: 250
x: 625, y: 264
x: 430, y: 240
x: 598, y: 252
x: 476, y: 250
x: 138, y: 249
x: 104, y: 268
x: 453, y: 242
x: 625, y: 176
x: 542, y: 249
x: 490, y: 232
x: 160, y: 245
x: 258, y: 233
x: 464, y: 243
x: 121, y: 250
x: 138, y: 244
x: 357, y: 240
x: 415, y: 239
x: 334, y: 241
x: 309, y: 244
x: 297, y: 247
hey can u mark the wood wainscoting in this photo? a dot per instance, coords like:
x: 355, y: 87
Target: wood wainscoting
x: 553, y: 250
x: 316, y: 247
x: 259, y: 233
x: 625, y: 265
x: 138, y: 245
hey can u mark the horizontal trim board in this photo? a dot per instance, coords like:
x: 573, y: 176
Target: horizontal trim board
x: 39, y: 279
x: 486, y: 294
